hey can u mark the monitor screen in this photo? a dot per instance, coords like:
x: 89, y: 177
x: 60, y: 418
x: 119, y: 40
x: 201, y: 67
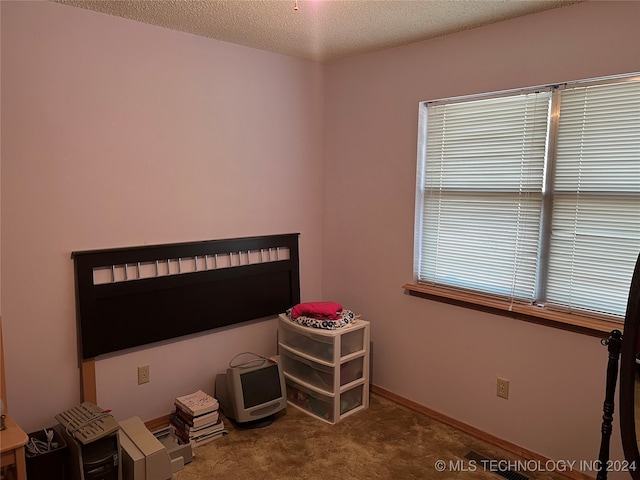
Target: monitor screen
x: 260, y: 386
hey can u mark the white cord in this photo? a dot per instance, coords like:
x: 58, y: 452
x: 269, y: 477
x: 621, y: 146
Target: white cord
x: 38, y: 447
x: 91, y: 420
x: 260, y: 359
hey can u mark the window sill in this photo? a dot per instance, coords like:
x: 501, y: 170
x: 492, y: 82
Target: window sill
x: 589, y: 325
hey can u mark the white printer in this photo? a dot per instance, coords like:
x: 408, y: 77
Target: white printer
x: 144, y: 457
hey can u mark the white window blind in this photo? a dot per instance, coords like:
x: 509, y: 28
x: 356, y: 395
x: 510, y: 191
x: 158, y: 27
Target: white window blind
x: 483, y: 192
x: 533, y: 196
x: 595, y: 235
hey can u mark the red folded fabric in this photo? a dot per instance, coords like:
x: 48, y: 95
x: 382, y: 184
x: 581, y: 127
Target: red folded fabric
x: 319, y: 310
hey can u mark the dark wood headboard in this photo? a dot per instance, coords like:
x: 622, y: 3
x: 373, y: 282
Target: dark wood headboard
x: 128, y: 297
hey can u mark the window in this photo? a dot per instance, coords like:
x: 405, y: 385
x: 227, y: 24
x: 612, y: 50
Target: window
x: 533, y: 196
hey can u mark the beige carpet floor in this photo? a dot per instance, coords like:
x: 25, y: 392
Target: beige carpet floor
x: 385, y: 441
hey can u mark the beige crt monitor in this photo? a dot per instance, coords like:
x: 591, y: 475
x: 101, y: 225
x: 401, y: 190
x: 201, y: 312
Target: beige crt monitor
x: 143, y: 456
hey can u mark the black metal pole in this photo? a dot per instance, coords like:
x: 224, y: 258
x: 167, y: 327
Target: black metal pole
x: 614, y: 342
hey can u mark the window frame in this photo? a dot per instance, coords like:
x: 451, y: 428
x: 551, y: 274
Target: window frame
x: 583, y: 321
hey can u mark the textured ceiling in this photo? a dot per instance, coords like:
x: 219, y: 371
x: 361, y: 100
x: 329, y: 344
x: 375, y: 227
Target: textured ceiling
x: 321, y: 30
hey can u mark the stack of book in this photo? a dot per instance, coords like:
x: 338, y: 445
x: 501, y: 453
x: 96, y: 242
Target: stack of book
x: 196, y: 419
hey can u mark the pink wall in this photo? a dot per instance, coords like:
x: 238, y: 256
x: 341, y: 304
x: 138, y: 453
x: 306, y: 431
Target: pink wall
x: 118, y: 133
x: 442, y: 356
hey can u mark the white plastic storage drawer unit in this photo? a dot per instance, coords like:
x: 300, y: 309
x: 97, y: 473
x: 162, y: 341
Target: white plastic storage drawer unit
x: 326, y: 371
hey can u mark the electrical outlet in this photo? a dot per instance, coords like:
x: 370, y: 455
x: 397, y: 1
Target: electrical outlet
x: 503, y: 388
x: 143, y: 374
